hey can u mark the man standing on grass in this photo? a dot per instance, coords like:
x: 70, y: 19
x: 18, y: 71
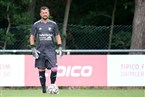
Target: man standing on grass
x: 45, y: 31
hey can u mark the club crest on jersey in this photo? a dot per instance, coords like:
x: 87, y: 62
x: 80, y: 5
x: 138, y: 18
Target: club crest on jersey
x: 40, y: 28
x: 49, y: 28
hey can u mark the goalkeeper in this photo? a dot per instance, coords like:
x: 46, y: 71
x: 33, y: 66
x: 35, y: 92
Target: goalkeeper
x: 45, y: 31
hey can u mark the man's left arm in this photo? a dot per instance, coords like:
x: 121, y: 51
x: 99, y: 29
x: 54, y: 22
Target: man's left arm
x: 58, y: 39
x: 59, y: 43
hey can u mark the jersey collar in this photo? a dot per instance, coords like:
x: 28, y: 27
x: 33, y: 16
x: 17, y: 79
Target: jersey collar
x: 45, y: 21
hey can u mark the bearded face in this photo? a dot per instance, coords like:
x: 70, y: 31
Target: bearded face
x: 44, y: 14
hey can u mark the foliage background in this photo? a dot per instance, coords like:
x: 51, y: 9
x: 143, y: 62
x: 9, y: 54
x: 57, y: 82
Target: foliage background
x: 89, y: 22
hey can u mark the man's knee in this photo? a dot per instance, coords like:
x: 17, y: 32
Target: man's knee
x: 54, y: 69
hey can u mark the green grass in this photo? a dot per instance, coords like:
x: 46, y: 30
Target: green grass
x: 73, y: 93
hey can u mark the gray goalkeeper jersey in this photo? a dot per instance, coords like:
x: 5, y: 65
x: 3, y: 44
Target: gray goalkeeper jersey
x: 45, y: 34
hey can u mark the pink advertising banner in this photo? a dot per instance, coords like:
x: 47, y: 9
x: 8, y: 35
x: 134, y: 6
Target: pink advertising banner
x: 73, y: 70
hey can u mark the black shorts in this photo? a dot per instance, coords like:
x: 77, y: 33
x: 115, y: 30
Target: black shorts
x: 46, y: 60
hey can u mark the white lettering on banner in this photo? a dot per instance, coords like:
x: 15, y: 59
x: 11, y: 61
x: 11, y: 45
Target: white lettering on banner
x: 74, y: 71
x: 86, y: 74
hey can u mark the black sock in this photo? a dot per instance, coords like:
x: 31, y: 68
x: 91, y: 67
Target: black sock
x: 53, y: 77
x: 42, y: 78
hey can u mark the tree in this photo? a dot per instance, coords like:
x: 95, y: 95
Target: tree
x: 15, y: 13
x: 65, y: 22
x: 138, y: 34
x: 7, y: 4
x: 31, y: 9
x: 112, y: 24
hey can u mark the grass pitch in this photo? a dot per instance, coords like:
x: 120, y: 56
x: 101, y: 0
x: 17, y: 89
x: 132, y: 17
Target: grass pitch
x: 73, y: 93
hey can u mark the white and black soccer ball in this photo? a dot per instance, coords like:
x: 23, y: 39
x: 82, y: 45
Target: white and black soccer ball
x: 53, y: 89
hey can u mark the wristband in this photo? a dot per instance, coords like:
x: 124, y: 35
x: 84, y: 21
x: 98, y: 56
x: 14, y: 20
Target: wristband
x: 59, y: 45
x: 32, y: 46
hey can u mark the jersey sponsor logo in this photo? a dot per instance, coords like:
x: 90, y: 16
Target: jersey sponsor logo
x: 41, y: 35
x: 74, y: 71
x: 45, y: 36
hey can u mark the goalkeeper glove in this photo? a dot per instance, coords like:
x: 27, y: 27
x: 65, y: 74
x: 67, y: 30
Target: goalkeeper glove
x: 35, y: 52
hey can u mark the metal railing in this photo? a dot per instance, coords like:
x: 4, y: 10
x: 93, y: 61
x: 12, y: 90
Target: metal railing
x: 69, y: 51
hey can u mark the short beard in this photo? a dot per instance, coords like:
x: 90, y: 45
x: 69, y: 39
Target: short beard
x: 45, y: 18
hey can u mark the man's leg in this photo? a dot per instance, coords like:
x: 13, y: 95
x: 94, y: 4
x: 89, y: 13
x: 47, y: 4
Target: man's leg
x: 42, y: 79
x: 53, y: 75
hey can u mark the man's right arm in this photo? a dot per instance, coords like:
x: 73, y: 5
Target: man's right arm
x: 33, y: 34
x: 32, y: 38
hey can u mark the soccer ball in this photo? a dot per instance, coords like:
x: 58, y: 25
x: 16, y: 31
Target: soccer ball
x: 53, y: 89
